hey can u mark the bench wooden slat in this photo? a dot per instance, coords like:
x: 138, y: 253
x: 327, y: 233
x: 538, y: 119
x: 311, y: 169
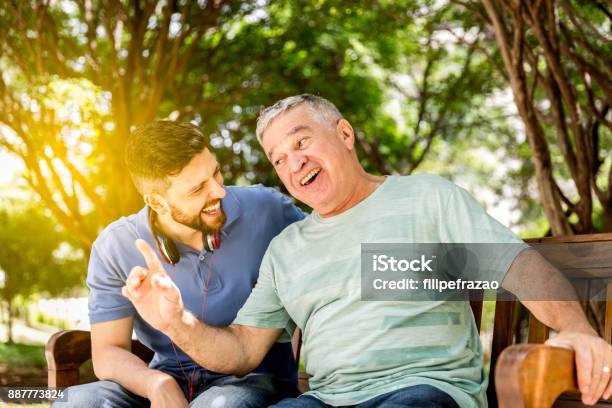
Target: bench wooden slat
x: 599, y: 237
x: 476, y: 306
x: 503, y: 336
x: 608, y: 323
x: 538, y: 332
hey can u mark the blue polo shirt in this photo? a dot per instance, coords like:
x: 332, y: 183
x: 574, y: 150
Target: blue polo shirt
x: 255, y: 215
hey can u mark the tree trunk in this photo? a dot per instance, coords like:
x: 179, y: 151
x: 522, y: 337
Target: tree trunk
x: 9, y: 321
x: 542, y: 59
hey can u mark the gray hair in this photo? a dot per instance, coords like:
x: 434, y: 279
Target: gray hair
x: 322, y: 110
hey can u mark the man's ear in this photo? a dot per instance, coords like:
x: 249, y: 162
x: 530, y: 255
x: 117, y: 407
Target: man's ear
x: 346, y: 133
x: 157, y: 202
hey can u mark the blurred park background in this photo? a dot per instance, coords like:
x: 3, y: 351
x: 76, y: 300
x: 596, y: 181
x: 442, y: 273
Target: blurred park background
x: 509, y: 99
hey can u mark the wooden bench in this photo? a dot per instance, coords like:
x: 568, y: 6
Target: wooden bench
x: 529, y: 375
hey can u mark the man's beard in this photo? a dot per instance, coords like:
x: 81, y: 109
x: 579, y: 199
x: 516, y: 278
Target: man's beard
x: 196, y: 222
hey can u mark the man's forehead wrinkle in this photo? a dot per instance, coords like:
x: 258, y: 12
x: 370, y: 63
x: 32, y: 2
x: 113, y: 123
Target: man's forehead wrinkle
x: 295, y: 129
x: 298, y: 128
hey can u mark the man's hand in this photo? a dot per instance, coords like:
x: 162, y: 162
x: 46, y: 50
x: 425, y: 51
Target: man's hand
x: 164, y: 392
x: 532, y: 278
x: 593, y: 355
x: 154, y: 295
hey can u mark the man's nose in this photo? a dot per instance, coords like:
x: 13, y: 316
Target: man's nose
x: 296, y: 162
x: 217, y: 191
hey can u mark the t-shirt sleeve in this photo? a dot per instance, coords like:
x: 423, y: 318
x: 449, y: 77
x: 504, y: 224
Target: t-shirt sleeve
x: 105, y: 280
x: 263, y: 307
x: 464, y: 221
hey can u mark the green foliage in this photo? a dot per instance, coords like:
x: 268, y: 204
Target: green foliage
x: 408, y: 74
x: 422, y: 82
x: 35, y: 254
x: 22, y: 355
x: 444, y: 87
x: 42, y: 318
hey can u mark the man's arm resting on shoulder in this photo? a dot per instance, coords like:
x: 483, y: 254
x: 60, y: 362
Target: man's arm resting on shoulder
x: 533, y: 280
x: 113, y: 360
x: 237, y: 349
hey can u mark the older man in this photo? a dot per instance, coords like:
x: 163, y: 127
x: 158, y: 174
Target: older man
x: 310, y: 277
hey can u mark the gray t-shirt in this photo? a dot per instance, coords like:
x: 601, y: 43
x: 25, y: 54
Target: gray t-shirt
x: 353, y: 349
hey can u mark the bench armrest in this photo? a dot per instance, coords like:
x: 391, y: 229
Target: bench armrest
x: 67, y: 350
x: 534, y: 375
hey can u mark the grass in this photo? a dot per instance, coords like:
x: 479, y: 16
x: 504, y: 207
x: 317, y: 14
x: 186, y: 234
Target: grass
x: 22, y: 355
x: 22, y: 360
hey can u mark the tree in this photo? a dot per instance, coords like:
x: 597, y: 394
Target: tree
x: 556, y: 58
x: 34, y: 257
x: 140, y: 60
x: 78, y: 75
x: 443, y: 84
x: 132, y: 54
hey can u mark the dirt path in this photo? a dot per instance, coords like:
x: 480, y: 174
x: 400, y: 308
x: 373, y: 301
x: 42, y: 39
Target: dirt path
x: 22, y: 376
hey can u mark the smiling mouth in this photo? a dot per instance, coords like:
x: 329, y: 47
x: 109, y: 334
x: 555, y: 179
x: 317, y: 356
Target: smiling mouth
x: 212, y: 209
x: 310, y: 177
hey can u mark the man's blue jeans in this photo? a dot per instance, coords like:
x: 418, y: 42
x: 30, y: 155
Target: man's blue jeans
x: 251, y: 391
x: 418, y: 396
